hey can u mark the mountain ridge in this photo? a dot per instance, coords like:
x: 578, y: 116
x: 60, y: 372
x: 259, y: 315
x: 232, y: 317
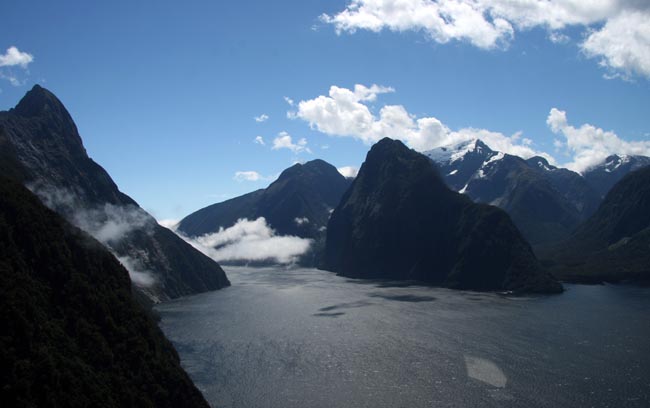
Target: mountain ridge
x: 399, y: 220
x: 47, y: 155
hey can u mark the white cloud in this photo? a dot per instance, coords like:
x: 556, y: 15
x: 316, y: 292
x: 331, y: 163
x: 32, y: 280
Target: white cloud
x: 13, y: 80
x: 285, y: 141
x: 348, y: 171
x: 441, y: 21
x: 169, y: 223
x: 344, y: 112
x: 589, y: 145
x: 301, y: 220
x: 289, y: 100
x: 140, y: 276
x: 622, y: 43
x: 247, y: 176
x: 251, y: 241
x: 259, y: 140
x: 14, y: 57
x: 262, y: 118
x: 557, y: 37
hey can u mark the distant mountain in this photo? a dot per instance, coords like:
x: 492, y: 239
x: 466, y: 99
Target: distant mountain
x: 399, y: 220
x: 42, y: 148
x: 614, y: 244
x: 298, y: 203
x: 603, y: 177
x: 72, y: 335
x: 544, y: 201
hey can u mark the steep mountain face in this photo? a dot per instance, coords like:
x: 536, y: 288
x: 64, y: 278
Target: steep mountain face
x: 298, y: 203
x: 614, y: 244
x: 72, y: 335
x: 47, y: 154
x: 604, y: 176
x: 545, y: 202
x: 399, y: 220
x: 574, y: 188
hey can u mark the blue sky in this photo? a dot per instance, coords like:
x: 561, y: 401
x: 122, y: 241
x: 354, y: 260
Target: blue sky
x: 165, y: 94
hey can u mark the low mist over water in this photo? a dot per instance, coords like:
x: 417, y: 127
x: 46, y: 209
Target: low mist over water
x: 308, y: 338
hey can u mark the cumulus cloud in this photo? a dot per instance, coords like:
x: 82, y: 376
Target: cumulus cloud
x: 14, y: 57
x: 259, y: 140
x: 251, y: 240
x: 589, y: 145
x: 262, y: 118
x: 622, y: 41
x: 247, y: 176
x: 348, y: 171
x: 285, y: 141
x: 345, y: 112
x: 622, y: 44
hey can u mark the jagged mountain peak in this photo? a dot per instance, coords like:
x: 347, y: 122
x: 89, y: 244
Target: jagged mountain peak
x: 458, y: 151
x: 37, y: 101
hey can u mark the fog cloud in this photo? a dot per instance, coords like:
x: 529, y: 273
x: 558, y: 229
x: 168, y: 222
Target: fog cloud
x: 251, y: 240
x: 108, y: 223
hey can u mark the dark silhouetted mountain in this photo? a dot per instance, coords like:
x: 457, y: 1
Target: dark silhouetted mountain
x: 298, y: 203
x: 545, y: 202
x: 72, y: 334
x: 43, y: 149
x: 614, y: 244
x: 399, y: 220
x: 603, y: 177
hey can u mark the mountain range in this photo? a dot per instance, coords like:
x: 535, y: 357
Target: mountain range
x: 399, y: 220
x: 614, y: 244
x: 298, y: 203
x: 42, y: 148
x: 546, y: 202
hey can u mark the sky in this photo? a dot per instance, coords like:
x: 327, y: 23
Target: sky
x: 188, y: 104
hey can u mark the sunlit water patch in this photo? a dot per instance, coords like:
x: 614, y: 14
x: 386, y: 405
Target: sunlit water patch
x: 307, y: 338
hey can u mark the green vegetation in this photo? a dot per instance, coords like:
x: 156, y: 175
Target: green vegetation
x: 71, y: 334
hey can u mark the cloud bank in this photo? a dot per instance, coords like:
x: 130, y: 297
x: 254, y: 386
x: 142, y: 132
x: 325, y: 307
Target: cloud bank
x: 345, y: 112
x: 251, y: 240
x: 615, y: 31
x: 590, y: 145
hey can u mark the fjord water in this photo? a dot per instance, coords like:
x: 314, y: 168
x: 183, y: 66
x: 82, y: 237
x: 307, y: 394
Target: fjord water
x: 308, y: 338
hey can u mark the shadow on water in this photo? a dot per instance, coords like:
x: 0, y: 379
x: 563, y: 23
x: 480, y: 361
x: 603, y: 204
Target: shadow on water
x: 350, y: 305
x: 381, y: 283
x: 403, y: 298
x: 335, y: 314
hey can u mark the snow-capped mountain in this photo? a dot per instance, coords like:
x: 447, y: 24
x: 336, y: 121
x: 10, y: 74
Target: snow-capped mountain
x: 603, y: 177
x: 544, y: 201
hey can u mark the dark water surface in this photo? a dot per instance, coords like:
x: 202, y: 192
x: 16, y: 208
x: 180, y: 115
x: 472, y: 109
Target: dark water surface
x: 307, y: 338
